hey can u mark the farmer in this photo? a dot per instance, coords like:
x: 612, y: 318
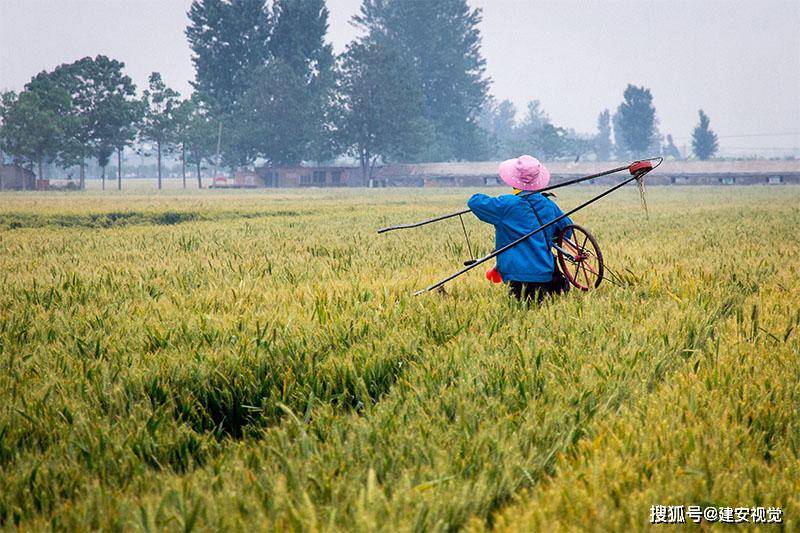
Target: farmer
x: 528, y: 268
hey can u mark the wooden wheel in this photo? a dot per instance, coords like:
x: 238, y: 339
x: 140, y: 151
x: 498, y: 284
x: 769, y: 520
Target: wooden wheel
x: 579, y: 257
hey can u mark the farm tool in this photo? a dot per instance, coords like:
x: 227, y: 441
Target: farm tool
x: 576, y: 249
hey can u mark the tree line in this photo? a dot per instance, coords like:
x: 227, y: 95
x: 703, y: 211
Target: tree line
x: 631, y: 132
x: 268, y: 88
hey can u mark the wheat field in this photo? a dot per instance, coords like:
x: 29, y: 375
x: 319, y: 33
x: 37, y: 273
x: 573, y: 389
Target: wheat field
x: 255, y: 360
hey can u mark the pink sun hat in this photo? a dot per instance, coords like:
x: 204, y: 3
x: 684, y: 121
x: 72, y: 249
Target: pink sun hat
x: 525, y: 173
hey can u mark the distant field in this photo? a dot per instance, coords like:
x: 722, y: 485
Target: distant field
x: 255, y: 360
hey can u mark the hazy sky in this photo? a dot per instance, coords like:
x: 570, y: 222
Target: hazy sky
x: 738, y: 60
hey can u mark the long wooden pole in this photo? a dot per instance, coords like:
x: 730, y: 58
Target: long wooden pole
x: 465, y: 211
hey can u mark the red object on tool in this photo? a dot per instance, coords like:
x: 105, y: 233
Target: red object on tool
x: 639, y: 166
x: 494, y: 276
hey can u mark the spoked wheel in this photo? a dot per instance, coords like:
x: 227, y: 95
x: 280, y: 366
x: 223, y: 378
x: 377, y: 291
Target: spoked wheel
x: 579, y: 257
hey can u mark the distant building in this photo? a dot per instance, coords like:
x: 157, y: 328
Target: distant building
x: 478, y: 174
x: 288, y: 177
x: 15, y: 177
x: 240, y: 180
x: 307, y: 176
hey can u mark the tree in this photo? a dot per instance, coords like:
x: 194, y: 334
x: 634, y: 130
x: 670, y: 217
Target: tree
x: 635, y: 122
x: 670, y: 150
x: 381, y: 105
x: 101, y: 109
x: 298, y: 42
x: 272, y: 121
x: 12, y: 134
x: 440, y: 41
x: 535, y: 133
x: 103, y: 154
x: 158, y: 125
x: 504, y: 121
x: 486, y: 123
x: 199, y: 134
x: 576, y: 145
x: 116, y: 113
x: 7, y: 100
x: 76, y: 79
x: 229, y: 40
x: 550, y: 142
x: 498, y: 120
x: 535, y: 117
x: 268, y: 75
x: 126, y: 134
x: 183, y: 114
x: 704, y: 140
x: 34, y: 124
x: 603, y: 146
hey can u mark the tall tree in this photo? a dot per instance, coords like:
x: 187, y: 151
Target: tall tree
x: 7, y: 99
x: 183, y: 114
x: 158, y: 125
x: 550, y: 142
x: 576, y: 145
x: 635, y: 122
x: 229, y: 40
x: 486, y: 122
x: 498, y: 120
x: 603, y: 146
x: 103, y: 153
x: 272, y: 121
x: 77, y: 80
x: 504, y: 122
x: 298, y: 42
x: 269, y: 76
x: 670, y: 150
x: 381, y: 105
x: 199, y: 135
x: 131, y: 114
x: 619, y: 151
x: 441, y: 42
x: 13, y: 136
x: 535, y: 133
x: 116, y: 112
x: 101, y: 99
x: 35, y: 124
x: 704, y: 140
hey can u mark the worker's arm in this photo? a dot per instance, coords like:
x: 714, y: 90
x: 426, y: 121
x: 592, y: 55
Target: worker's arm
x: 487, y: 208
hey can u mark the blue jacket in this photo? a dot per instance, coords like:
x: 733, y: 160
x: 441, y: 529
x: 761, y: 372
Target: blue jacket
x: 514, y: 216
